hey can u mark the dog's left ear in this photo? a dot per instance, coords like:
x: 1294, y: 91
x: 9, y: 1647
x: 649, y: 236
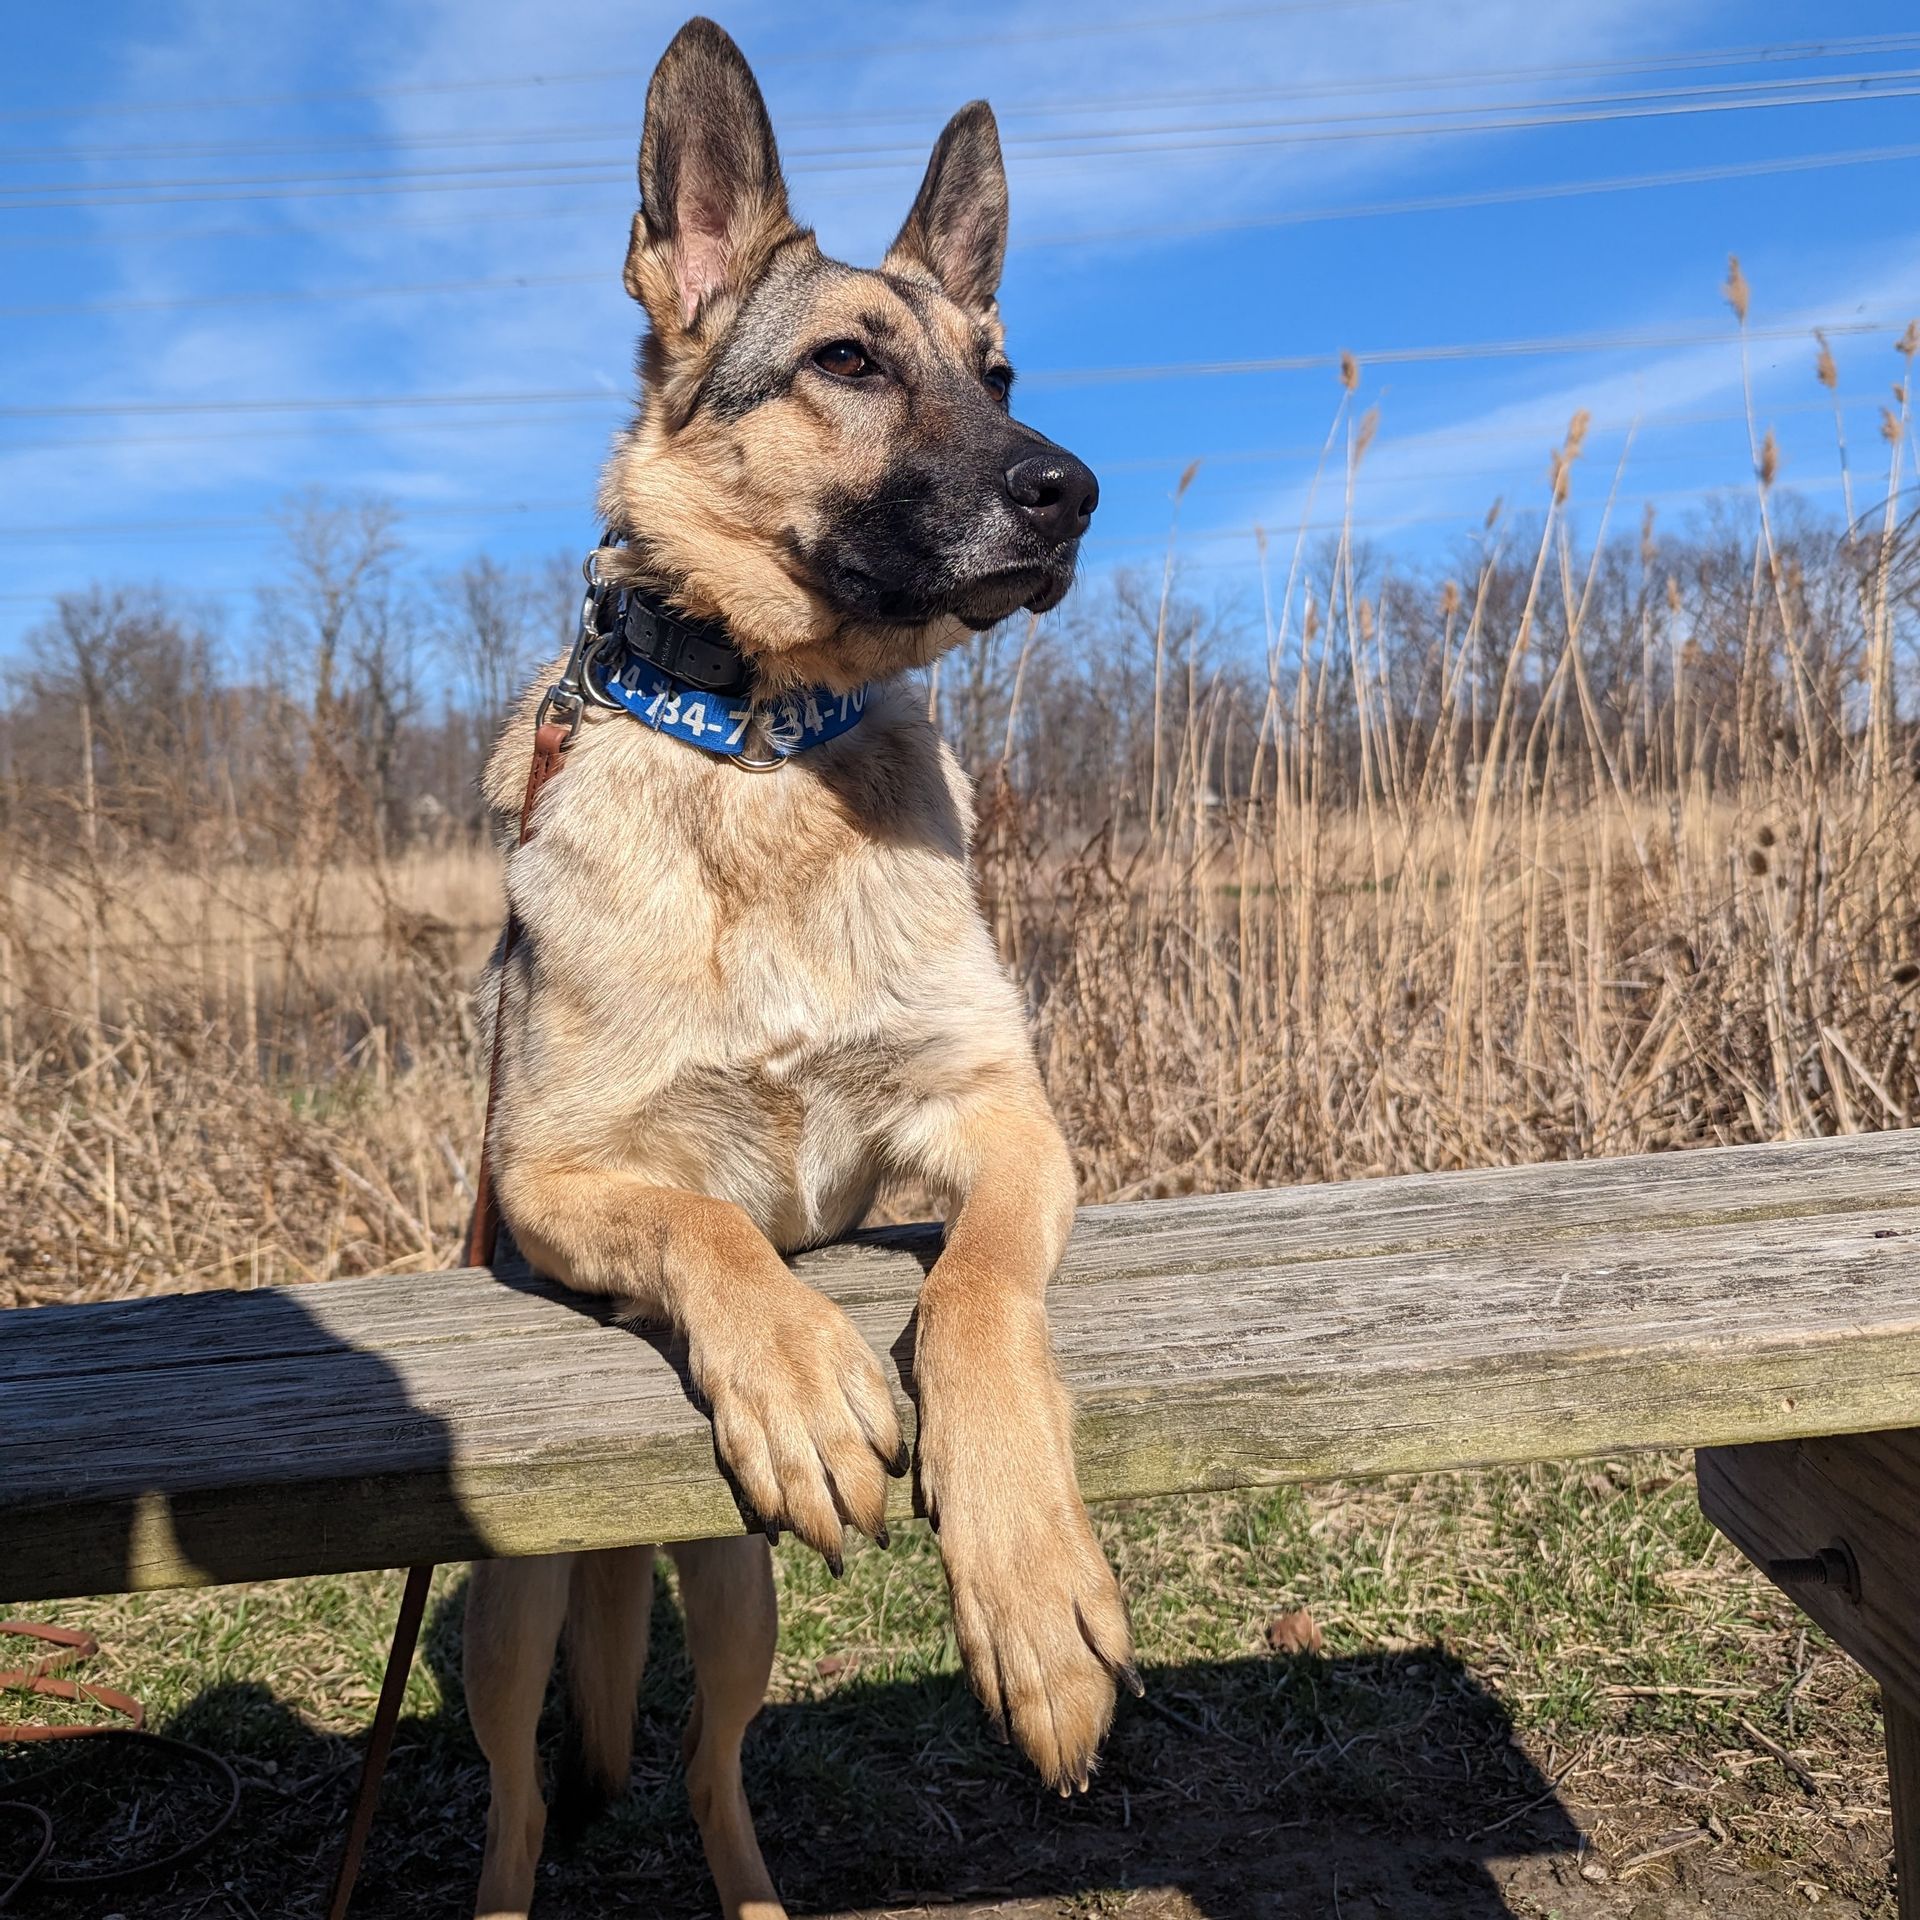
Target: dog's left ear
x: 957, y: 230
x: 713, y: 205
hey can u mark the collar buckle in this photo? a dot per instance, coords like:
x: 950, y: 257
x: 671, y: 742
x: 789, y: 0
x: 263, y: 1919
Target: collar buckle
x: 567, y: 700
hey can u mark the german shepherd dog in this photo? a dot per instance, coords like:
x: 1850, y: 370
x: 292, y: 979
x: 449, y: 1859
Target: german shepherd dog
x: 740, y: 1003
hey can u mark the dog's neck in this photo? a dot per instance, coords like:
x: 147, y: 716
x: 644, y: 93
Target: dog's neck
x: 698, y: 653
x: 686, y: 676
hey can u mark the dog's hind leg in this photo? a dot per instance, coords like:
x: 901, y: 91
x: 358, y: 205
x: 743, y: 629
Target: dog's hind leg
x: 726, y: 1591
x: 514, y: 1611
x: 608, y: 1610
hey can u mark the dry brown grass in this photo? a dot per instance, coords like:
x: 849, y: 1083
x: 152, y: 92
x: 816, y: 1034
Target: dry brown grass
x: 1313, y: 996
x: 234, y: 1078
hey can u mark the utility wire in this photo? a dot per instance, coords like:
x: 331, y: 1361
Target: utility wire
x: 482, y: 510
x: 1590, y: 343
x: 1783, y: 51
x: 838, y: 52
x: 1174, y: 142
x: 1181, y: 229
x: 1847, y: 84
x: 573, y: 132
x: 1099, y: 236
x: 1152, y: 463
x: 237, y: 524
x: 1474, y: 350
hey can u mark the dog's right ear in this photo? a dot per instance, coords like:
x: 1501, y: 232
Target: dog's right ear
x: 712, y: 203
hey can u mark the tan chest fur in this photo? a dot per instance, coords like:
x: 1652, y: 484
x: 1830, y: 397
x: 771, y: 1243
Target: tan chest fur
x: 763, y: 987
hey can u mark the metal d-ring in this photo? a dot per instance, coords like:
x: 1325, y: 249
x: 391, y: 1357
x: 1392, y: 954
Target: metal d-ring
x: 592, y: 661
x: 772, y: 765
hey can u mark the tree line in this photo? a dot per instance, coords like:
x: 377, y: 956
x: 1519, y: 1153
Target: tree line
x: 355, y: 706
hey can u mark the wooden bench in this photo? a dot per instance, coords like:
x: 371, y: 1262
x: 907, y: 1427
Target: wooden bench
x: 1759, y: 1303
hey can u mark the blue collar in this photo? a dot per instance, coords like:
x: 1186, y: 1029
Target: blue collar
x: 756, y: 734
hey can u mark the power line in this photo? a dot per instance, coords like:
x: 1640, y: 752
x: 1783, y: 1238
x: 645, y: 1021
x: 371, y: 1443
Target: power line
x: 1571, y: 344
x: 224, y: 523
x: 573, y: 132
x: 1214, y: 536
x: 273, y: 296
x: 810, y: 57
x: 1172, y: 230
x: 1787, y: 51
x: 329, y: 403
x: 1784, y: 90
x: 1171, y: 462
x: 1170, y: 142
x: 1627, y: 497
x: 1491, y: 196
x: 227, y: 523
x: 1477, y: 350
x: 1426, y: 203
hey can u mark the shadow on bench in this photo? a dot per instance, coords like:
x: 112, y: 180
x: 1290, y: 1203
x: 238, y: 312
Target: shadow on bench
x: 211, y: 1438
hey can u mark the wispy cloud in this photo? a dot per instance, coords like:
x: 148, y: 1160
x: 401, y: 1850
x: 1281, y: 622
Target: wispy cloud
x: 1465, y: 444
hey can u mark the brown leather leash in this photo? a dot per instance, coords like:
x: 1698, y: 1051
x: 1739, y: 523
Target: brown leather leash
x: 71, y: 1645
x: 551, y: 740
x: 550, y: 743
x: 46, y: 1679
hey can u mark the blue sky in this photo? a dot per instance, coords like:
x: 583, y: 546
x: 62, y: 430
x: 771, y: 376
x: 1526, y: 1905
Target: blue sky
x: 224, y: 229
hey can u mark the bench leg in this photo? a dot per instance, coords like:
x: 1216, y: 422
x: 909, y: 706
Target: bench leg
x: 1903, y: 1790
x: 1834, y: 1522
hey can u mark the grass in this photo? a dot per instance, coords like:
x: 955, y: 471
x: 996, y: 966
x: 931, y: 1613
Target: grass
x: 1522, y: 1672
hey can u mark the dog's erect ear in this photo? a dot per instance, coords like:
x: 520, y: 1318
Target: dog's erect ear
x: 712, y: 203
x: 957, y: 230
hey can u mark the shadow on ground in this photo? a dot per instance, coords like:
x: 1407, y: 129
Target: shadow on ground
x: 1256, y: 1789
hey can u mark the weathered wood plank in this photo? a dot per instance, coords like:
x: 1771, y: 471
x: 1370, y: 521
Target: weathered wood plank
x: 1374, y: 1327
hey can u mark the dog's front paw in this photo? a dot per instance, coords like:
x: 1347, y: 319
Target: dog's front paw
x: 801, y: 1416
x: 1037, y: 1612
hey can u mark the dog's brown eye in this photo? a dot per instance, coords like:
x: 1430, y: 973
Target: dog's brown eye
x: 845, y: 360
x: 999, y: 381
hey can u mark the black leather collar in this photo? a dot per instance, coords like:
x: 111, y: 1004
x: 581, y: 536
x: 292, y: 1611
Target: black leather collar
x: 699, y: 652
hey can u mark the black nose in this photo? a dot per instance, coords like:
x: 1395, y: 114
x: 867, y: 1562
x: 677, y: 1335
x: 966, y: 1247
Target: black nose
x: 1055, y: 492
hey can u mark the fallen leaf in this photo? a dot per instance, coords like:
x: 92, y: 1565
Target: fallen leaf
x: 1295, y: 1632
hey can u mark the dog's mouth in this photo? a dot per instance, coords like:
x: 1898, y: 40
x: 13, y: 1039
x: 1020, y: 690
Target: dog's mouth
x: 1035, y: 585
x: 984, y: 600
x: 979, y: 600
